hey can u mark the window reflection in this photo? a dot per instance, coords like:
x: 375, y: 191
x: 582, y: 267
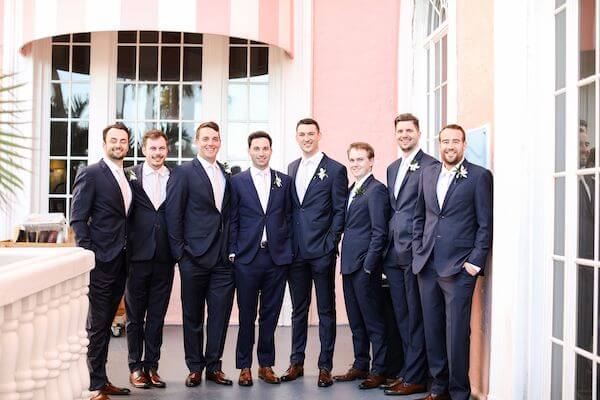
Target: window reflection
x: 586, y: 193
x: 58, y: 177
x: 587, y: 38
x: 583, y: 378
x: 585, y: 307
x: 587, y: 125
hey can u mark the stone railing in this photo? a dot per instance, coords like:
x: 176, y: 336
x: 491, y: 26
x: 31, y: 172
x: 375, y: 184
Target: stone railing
x: 43, y: 311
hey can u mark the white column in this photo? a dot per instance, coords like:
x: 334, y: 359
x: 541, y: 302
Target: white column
x: 9, y: 342
x: 40, y: 328
x: 73, y: 338
x: 23, y: 377
x: 52, y: 361
x: 64, y: 386
x: 83, y: 338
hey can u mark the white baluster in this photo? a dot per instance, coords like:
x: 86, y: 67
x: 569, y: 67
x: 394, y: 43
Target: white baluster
x: 73, y: 338
x: 52, y: 360
x: 23, y: 377
x: 64, y: 386
x: 84, y: 303
x: 9, y: 341
x: 39, y: 372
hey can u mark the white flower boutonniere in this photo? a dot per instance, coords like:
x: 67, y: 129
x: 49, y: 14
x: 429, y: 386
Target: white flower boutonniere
x: 131, y: 175
x: 359, y: 191
x: 322, y: 174
x: 414, y: 165
x: 461, y: 172
x: 277, y: 181
x: 227, y: 168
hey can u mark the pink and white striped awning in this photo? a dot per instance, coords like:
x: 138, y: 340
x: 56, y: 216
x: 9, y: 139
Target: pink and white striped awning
x: 268, y: 21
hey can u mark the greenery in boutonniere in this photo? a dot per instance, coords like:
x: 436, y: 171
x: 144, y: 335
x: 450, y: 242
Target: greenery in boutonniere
x: 131, y: 175
x: 226, y: 167
x: 414, y: 165
x: 461, y: 172
x: 277, y: 182
x: 322, y: 174
x: 359, y: 192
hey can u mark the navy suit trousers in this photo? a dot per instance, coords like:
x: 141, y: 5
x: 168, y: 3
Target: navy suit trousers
x: 364, y: 305
x: 146, y: 300
x: 446, y: 305
x: 264, y: 280
x: 301, y: 275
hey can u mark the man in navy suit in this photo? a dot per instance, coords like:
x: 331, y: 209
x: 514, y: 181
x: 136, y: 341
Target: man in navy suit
x: 197, y: 211
x: 260, y: 246
x: 364, y: 241
x: 101, y: 202
x: 151, y: 266
x: 319, y: 199
x: 452, y: 235
x: 403, y: 184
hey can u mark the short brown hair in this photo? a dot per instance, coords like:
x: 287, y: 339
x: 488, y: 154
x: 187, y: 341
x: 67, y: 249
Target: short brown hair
x: 362, y: 146
x: 407, y: 117
x: 119, y: 125
x: 208, y: 124
x: 455, y: 127
x: 154, y: 134
x: 258, y: 135
x: 308, y: 121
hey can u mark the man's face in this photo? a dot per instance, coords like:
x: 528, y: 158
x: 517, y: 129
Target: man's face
x: 208, y: 144
x: 360, y: 164
x: 452, y: 146
x: 584, y: 147
x: 260, y: 152
x: 407, y: 135
x: 308, y: 137
x: 116, y: 144
x: 155, y: 151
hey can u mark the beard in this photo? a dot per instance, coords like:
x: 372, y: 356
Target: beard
x: 117, y: 156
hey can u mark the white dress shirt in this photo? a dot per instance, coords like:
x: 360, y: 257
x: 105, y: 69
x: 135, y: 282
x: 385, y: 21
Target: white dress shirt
x: 403, y: 169
x: 214, y: 172
x: 357, y: 186
x: 155, y: 183
x: 119, y: 175
x: 262, y: 183
x: 306, y: 171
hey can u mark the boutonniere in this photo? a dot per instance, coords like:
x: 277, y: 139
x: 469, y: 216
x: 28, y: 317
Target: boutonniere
x: 359, y: 192
x: 226, y: 167
x: 322, y: 174
x: 414, y: 165
x: 131, y: 175
x: 461, y: 172
x: 277, y: 182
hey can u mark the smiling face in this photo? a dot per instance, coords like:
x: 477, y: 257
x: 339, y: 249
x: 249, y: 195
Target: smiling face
x: 208, y: 143
x: 116, y: 144
x: 452, y: 146
x: 360, y: 163
x: 407, y: 136
x: 308, y: 137
x: 260, y: 152
x: 156, y: 151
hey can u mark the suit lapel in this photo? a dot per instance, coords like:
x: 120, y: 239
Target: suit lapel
x: 364, y: 187
x: 138, y: 185
x: 392, y: 180
x: 433, y: 185
x: 455, y: 182
x: 202, y: 173
x: 252, y: 189
x: 273, y: 189
x: 293, y: 173
x: 226, y: 190
x: 313, y: 181
x: 111, y: 178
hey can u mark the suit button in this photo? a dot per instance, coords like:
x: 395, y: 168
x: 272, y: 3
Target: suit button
x: 438, y: 236
x: 397, y: 211
x: 443, y: 216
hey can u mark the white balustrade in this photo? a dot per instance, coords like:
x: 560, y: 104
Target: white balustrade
x: 43, y: 311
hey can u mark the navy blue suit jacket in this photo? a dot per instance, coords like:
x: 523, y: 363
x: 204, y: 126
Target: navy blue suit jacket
x: 147, y: 239
x: 366, y: 230
x: 194, y: 224
x: 318, y: 221
x: 248, y: 219
x: 462, y: 230
x: 403, y: 207
x: 98, y: 212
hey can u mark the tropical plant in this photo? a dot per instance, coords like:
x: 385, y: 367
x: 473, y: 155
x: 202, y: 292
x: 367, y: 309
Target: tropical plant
x: 13, y: 143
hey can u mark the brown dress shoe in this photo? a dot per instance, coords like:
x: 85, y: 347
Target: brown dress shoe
x: 351, y: 375
x: 155, y: 379
x: 390, y: 383
x: 218, y: 377
x: 111, y: 390
x: 433, y: 396
x: 139, y: 379
x: 245, y: 377
x: 100, y: 396
x: 193, y: 379
x: 373, y: 381
x: 406, y: 388
x: 294, y: 372
x: 267, y: 375
x: 324, y: 378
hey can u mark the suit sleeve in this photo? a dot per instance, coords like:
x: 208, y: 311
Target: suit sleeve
x: 83, y: 198
x: 339, y: 194
x: 379, y: 214
x: 484, y: 216
x: 175, y: 204
x: 234, y: 219
x: 419, y: 218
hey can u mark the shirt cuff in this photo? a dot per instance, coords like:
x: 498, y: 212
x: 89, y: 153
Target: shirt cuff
x: 473, y: 266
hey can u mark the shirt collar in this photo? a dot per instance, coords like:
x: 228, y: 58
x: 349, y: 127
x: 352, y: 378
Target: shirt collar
x: 362, y: 180
x: 148, y: 170
x: 255, y: 171
x: 453, y: 170
x: 315, y: 158
x: 206, y: 164
x: 410, y: 157
x: 113, y: 167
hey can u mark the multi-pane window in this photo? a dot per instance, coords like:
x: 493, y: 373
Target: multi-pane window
x: 69, y: 116
x: 159, y: 86
x: 436, y: 47
x: 247, y: 95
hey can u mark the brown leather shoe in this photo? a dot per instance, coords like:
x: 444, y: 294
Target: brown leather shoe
x: 155, y: 379
x: 193, y: 379
x: 100, y: 396
x: 267, y: 375
x: 294, y: 372
x: 218, y: 377
x: 245, y: 377
x: 433, y: 396
x: 139, y: 379
x: 406, y: 388
x: 111, y: 390
x: 373, y: 381
x: 390, y: 383
x: 351, y: 375
x: 324, y: 378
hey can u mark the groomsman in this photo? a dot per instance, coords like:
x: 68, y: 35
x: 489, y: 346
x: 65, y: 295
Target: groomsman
x: 260, y: 246
x: 403, y: 184
x: 197, y: 211
x: 101, y: 202
x: 364, y: 241
x: 452, y: 234
x: 319, y: 198
x: 151, y: 265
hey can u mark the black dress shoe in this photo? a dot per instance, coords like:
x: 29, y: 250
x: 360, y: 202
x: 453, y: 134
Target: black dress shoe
x: 193, y: 379
x: 218, y: 377
x: 155, y: 379
x: 111, y: 390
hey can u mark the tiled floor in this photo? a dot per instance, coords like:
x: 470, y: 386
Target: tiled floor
x: 174, y: 371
